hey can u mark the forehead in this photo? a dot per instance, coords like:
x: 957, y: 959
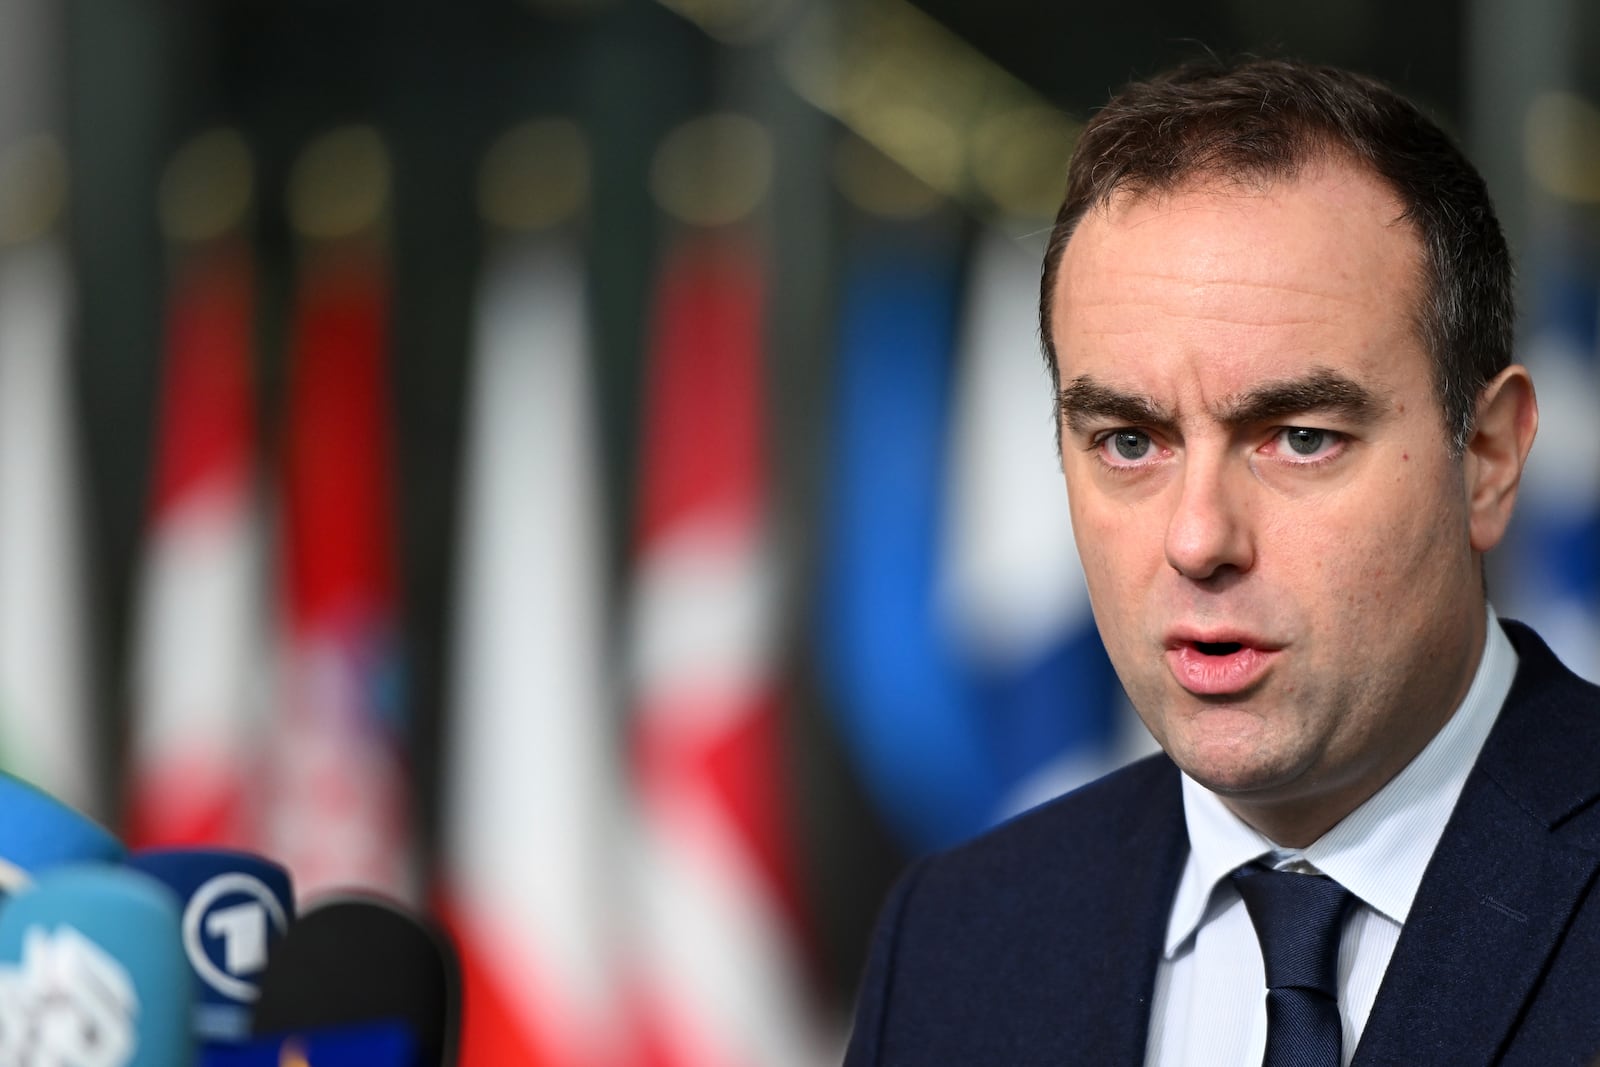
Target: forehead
x: 1243, y: 280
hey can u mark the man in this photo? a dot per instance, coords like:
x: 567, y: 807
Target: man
x: 1277, y: 309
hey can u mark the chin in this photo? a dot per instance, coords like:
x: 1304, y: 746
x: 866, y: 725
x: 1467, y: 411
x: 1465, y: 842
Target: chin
x: 1231, y: 772
x: 1239, y: 784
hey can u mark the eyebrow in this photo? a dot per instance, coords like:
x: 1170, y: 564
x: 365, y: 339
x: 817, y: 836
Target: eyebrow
x: 1321, y: 390
x: 1084, y: 401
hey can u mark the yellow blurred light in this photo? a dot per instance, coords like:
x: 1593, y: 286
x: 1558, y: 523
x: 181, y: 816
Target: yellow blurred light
x: 933, y: 103
x: 33, y: 188
x: 921, y: 141
x: 713, y: 170
x: 877, y: 184
x: 1561, y: 139
x: 1020, y: 159
x: 207, y: 187
x: 813, y: 64
x: 536, y: 175
x: 339, y: 187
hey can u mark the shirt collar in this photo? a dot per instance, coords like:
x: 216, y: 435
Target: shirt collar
x: 1378, y: 851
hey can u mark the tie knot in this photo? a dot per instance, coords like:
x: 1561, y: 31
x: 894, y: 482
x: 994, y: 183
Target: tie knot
x: 1298, y: 919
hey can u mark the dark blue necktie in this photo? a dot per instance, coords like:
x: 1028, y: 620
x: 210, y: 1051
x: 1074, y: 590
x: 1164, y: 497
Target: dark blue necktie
x: 1298, y: 919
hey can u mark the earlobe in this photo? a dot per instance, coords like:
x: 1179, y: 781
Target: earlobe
x: 1508, y: 419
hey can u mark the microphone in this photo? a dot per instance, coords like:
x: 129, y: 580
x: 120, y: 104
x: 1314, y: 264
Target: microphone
x: 38, y: 832
x: 92, y: 973
x: 367, y: 1045
x: 360, y: 959
x: 235, y: 908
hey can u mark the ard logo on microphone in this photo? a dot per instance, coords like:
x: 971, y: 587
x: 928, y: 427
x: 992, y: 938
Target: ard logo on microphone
x: 228, y: 926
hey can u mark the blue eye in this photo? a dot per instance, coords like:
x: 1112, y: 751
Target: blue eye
x: 1131, y: 444
x: 1306, y: 446
x: 1303, y: 441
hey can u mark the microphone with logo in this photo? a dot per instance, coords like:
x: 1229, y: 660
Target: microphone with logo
x: 40, y: 832
x: 235, y: 907
x: 92, y: 973
x: 359, y: 965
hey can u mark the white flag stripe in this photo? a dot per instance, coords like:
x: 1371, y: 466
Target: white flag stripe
x: 532, y: 770
x: 1012, y: 580
x: 1012, y: 584
x: 43, y: 732
x: 703, y: 620
x: 200, y: 633
x: 714, y: 937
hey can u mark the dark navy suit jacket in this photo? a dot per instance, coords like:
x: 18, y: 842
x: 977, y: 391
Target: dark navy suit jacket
x: 1038, y: 942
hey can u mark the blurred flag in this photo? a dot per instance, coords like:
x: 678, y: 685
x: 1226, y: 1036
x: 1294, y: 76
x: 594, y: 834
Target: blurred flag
x: 903, y: 699
x: 955, y: 632
x: 199, y: 627
x: 532, y: 775
x: 338, y: 786
x: 719, y: 972
x: 1012, y: 588
x: 1551, y: 562
x: 44, y: 733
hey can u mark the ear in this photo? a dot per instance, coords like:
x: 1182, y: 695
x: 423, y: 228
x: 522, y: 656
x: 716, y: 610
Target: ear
x: 1508, y: 418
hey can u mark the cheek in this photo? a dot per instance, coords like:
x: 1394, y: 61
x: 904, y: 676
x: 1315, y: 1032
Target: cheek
x: 1102, y: 534
x: 1120, y: 556
x: 1381, y: 550
x: 1322, y: 544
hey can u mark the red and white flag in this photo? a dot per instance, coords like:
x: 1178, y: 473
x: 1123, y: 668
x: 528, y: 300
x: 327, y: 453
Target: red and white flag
x: 199, y: 630
x: 532, y: 780
x: 718, y: 964
x: 338, y: 792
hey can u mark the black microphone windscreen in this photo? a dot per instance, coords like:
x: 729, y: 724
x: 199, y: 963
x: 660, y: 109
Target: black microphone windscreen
x: 359, y: 960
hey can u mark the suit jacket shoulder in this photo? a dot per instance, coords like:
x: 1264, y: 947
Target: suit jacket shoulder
x: 1499, y: 961
x: 1036, y: 943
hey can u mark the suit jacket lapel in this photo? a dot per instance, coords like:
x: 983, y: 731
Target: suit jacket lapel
x: 1490, y: 910
x: 1502, y: 885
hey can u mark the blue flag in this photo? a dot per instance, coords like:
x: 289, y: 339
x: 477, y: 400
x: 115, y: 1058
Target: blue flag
x: 963, y: 664
x: 1551, y: 561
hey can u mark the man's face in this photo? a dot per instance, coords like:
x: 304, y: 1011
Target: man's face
x: 1275, y: 534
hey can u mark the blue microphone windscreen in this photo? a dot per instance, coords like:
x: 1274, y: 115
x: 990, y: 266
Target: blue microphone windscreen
x: 236, y: 906
x: 38, y: 832
x: 97, y: 970
x: 368, y: 1045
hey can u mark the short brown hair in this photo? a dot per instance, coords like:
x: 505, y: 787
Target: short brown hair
x: 1267, y: 119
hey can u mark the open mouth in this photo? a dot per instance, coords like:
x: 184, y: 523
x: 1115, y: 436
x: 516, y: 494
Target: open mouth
x: 1219, y: 668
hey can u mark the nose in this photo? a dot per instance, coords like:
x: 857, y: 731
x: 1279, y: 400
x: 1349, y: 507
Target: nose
x: 1209, y: 531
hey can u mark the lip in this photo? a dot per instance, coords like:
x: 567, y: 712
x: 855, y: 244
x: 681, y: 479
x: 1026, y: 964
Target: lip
x: 1218, y: 675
